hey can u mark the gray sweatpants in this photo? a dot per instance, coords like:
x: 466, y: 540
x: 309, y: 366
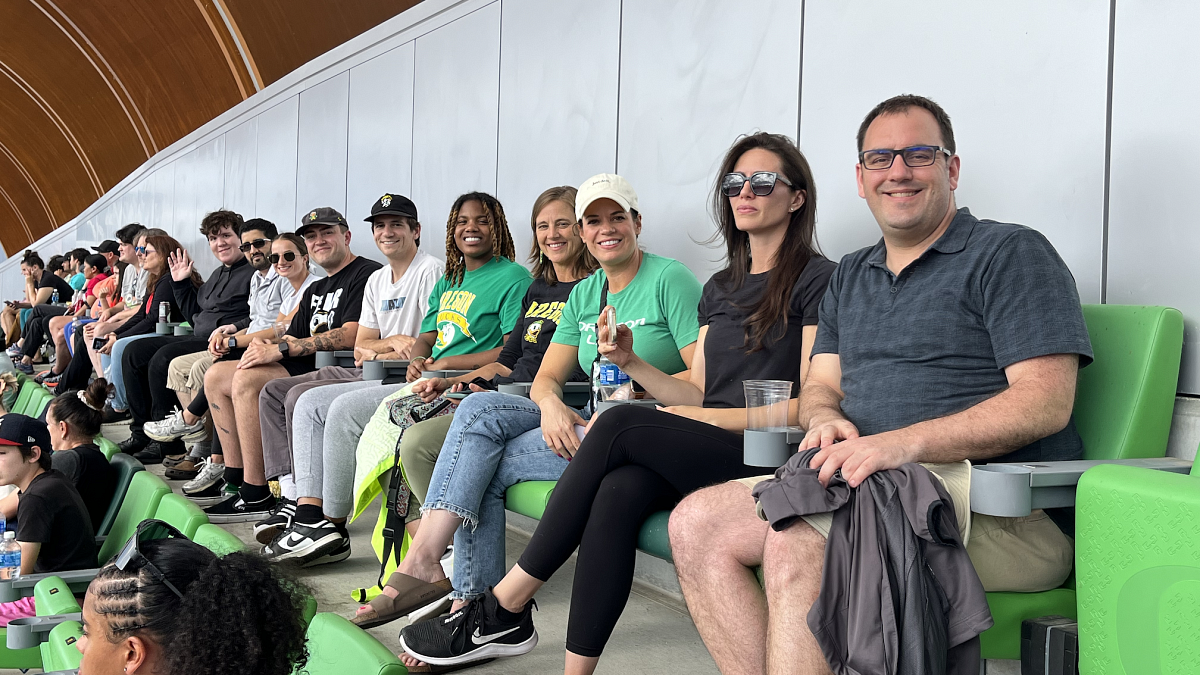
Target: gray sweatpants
x: 326, y: 425
x: 276, y: 402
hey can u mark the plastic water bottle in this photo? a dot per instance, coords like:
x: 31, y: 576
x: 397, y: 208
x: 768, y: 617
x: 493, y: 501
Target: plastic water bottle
x: 3, y: 524
x: 10, y: 557
x: 607, y: 377
x: 54, y: 297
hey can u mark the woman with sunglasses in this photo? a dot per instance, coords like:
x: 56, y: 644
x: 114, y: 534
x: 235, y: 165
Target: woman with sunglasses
x: 53, y: 526
x: 758, y: 320
x: 153, y: 611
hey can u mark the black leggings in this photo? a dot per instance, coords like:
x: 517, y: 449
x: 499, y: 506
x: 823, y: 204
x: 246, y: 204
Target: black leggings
x: 633, y: 462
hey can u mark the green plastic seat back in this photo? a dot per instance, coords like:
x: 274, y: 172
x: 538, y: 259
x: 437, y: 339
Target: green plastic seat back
x: 653, y: 538
x: 1125, y: 398
x: 40, y: 400
x: 181, y: 513
x: 107, y: 447
x: 141, y: 502
x: 217, y: 540
x: 126, y: 467
x: 529, y: 498
x: 52, y: 596
x: 59, y: 651
x: 24, y: 396
x: 338, y: 647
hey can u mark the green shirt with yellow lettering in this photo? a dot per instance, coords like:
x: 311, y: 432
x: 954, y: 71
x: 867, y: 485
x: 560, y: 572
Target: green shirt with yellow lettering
x: 474, y: 316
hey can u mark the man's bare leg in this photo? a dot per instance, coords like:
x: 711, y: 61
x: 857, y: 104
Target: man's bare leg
x: 717, y: 540
x: 247, y: 385
x: 218, y: 385
x: 792, y: 563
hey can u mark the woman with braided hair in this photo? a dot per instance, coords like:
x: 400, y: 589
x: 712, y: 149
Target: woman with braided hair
x: 148, y: 613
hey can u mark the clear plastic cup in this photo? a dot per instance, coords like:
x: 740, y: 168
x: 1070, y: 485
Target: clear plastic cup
x: 767, y: 404
x: 281, y: 329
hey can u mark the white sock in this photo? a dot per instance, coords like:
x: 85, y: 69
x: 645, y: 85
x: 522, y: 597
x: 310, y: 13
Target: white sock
x: 287, y: 486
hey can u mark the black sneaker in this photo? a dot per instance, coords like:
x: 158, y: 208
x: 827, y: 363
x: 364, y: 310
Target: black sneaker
x: 471, y: 634
x: 265, y: 531
x: 112, y: 416
x: 133, y: 444
x: 236, y: 510
x: 151, y: 454
x: 309, y: 543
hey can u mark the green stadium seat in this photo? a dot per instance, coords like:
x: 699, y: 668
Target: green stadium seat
x: 141, y: 502
x: 181, y: 513
x: 24, y: 396
x: 338, y: 647
x: 529, y: 498
x: 217, y: 540
x: 39, y: 401
x: 59, y: 651
x: 106, y: 446
x: 51, y: 596
x: 1137, y: 553
x: 1123, y: 407
x: 126, y: 467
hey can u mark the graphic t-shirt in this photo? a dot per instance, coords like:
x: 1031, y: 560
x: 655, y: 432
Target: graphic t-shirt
x: 331, y: 303
x: 51, y: 513
x: 659, y: 306
x: 398, y: 308
x: 541, y: 310
x: 725, y: 312
x: 474, y: 316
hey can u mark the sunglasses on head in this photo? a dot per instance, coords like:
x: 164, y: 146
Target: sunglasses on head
x: 287, y: 255
x: 762, y: 183
x: 131, y: 559
x: 257, y: 243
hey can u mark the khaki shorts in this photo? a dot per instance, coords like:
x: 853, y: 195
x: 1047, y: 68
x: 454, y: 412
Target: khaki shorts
x: 186, y: 373
x: 1026, y: 554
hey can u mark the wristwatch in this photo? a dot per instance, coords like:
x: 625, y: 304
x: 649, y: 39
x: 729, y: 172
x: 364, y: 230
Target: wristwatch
x: 232, y: 342
x: 284, y: 347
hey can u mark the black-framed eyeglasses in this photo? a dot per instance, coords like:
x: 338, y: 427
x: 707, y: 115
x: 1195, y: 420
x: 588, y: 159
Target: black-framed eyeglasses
x: 257, y: 243
x: 140, y: 250
x: 913, y: 156
x: 131, y: 558
x: 762, y: 183
x: 287, y: 255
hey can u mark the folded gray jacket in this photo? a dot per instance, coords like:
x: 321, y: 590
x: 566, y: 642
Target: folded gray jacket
x: 899, y: 595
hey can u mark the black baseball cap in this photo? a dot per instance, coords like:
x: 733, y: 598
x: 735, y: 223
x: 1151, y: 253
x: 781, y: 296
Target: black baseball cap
x: 18, y: 429
x: 107, y: 246
x: 324, y: 215
x: 393, y: 205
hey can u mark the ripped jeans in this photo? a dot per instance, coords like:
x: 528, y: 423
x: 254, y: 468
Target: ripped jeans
x: 469, y: 480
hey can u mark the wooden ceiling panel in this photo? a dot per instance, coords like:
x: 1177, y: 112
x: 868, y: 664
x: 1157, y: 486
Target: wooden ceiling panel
x: 89, y: 89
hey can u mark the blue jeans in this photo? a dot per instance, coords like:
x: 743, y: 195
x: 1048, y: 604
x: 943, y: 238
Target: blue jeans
x: 112, y: 369
x: 470, y: 479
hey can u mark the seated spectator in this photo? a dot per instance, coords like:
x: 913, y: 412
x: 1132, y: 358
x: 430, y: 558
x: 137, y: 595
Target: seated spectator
x: 101, y: 283
x: 222, y: 299
x: 10, y: 315
x: 53, y: 526
x: 47, y: 292
x: 186, y: 374
x: 142, y: 325
x: 10, y: 387
x: 74, y: 421
x: 74, y: 269
x: 41, y: 325
x: 394, y: 302
x: 757, y: 321
x: 994, y: 382
x: 154, y: 610
x: 326, y: 321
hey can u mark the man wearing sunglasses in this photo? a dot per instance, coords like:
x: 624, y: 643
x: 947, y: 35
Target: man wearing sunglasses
x: 221, y: 300
x: 952, y: 340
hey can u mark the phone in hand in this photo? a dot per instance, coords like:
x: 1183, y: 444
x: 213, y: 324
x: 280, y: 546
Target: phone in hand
x: 99, y: 342
x: 458, y: 395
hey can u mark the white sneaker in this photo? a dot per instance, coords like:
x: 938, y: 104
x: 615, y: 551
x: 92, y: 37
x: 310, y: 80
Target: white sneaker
x: 173, y: 428
x: 211, y: 475
x: 309, y: 543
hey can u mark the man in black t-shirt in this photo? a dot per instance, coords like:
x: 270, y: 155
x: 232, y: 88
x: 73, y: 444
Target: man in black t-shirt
x: 53, y: 526
x: 41, y: 285
x: 326, y: 320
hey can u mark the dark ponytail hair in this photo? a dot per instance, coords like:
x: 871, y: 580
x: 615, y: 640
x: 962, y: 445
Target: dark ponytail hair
x: 768, y: 317
x: 253, y: 623
x: 83, y: 410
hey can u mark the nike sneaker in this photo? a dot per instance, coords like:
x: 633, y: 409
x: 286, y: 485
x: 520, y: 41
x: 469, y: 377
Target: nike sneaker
x: 473, y: 633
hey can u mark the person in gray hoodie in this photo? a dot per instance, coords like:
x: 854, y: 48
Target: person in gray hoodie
x: 953, y: 339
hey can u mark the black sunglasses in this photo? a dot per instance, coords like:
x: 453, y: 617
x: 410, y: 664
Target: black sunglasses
x: 287, y: 255
x: 762, y: 183
x: 130, y: 558
x: 257, y: 243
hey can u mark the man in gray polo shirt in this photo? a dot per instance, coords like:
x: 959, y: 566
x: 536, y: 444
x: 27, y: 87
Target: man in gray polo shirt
x: 952, y: 339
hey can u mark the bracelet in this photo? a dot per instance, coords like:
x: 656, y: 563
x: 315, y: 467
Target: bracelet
x: 423, y: 359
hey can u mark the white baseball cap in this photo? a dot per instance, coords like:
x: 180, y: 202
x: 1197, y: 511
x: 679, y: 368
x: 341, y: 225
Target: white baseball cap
x: 605, y: 186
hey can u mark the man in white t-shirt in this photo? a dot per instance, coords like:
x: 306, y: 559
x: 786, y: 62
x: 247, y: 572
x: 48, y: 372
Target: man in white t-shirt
x: 394, y: 303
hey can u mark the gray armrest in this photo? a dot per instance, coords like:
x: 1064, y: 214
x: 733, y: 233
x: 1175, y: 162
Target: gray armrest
x: 770, y: 449
x: 161, y: 328
x: 343, y: 358
x: 385, y: 369
x: 1015, y: 490
x: 444, y: 373
x: 32, y: 631
x: 23, y: 587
